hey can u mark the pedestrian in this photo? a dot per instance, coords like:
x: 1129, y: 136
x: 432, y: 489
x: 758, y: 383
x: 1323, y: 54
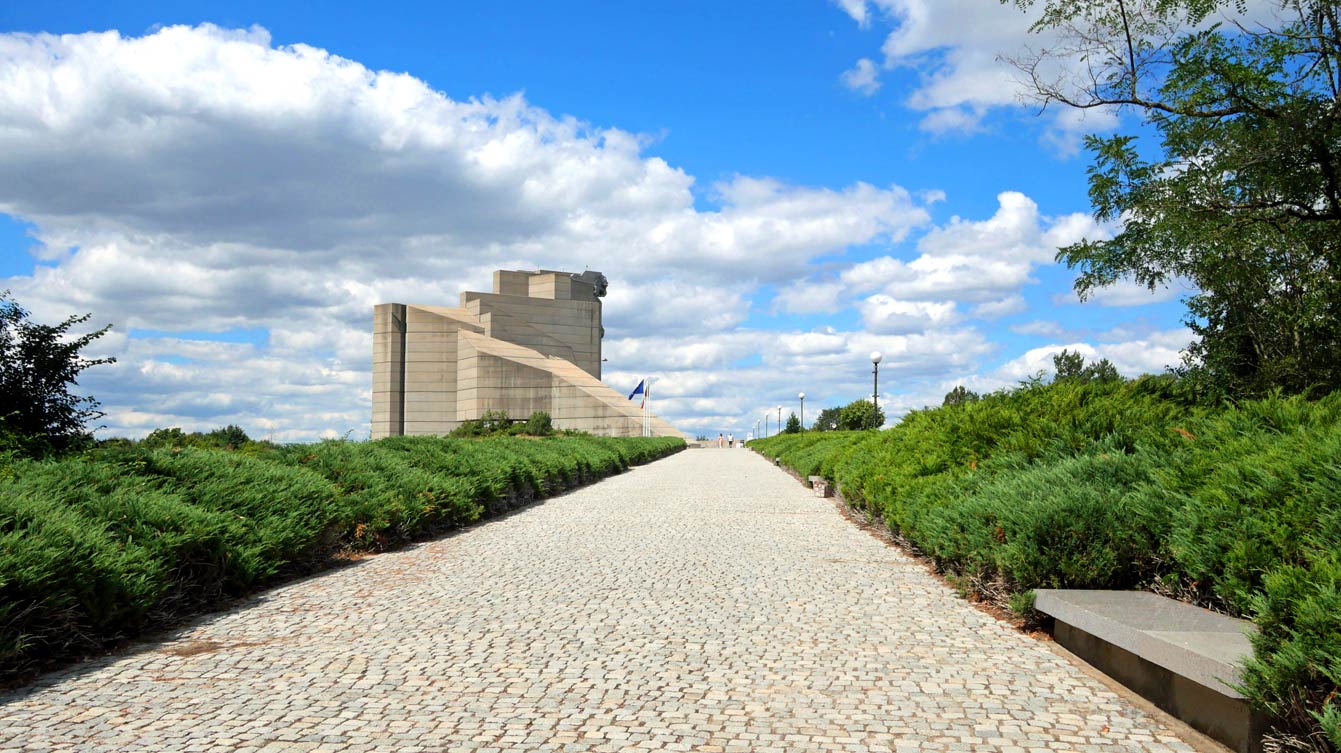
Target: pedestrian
x: 731, y: 440
x: 719, y: 441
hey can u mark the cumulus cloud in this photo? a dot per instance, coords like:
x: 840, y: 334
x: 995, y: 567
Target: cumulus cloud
x: 1153, y: 354
x: 1013, y: 304
x: 1126, y: 292
x: 956, y: 49
x: 953, y: 47
x: 1131, y: 293
x: 706, y: 377
x: 810, y: 297
x: 237, y: 208
x: 983, y: 262
x: 880, y: 313
x: 202, y: 181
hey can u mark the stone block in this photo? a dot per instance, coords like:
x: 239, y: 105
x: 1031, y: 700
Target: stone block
x: 508, y: 282
x: 821, y: 486
x: 1182, y: 658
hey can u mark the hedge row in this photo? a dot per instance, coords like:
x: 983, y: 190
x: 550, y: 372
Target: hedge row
x: 100, y: 546
x: 1126, y: 485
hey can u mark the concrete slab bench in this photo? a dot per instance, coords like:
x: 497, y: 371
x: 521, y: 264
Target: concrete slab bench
x: 821, y: 486
x: 1180, y: 657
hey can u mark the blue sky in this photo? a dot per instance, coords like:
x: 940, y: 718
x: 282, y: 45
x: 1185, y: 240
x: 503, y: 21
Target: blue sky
x: 774, y: 190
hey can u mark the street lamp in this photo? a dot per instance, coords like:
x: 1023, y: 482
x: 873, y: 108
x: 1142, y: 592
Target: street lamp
x: 802, y: 397
x: 875, y: 380
x: 779, y: 419
x: 765, y: 424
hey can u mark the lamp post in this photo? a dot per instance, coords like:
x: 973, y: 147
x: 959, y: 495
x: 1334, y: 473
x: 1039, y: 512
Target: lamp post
x: 765, y: 424
x: 802, y: 397
x: 875, y: 380
x: 779, y: 424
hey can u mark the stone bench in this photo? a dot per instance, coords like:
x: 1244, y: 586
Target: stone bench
x: 1180, y: 657
x: 821, y: 486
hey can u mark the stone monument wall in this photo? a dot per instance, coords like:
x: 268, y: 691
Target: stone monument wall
x: 533, y: 344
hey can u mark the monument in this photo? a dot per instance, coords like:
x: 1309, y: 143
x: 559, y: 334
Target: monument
x: 533, y: 344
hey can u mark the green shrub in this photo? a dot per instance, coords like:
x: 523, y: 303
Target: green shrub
x: 861, y: 414
x: 539, y: 425
x: 1296, y: 666
x: 1093, y: 481
x: 1068, y: 524
x: 66, y: 582
x: 99, y: 546
x: 490, y: 423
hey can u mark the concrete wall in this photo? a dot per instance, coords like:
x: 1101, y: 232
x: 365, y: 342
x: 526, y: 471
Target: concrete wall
x: 533, y: 344
x: 557, y: 327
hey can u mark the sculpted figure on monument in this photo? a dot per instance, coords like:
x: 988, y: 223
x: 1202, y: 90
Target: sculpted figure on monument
x: 596, y: 280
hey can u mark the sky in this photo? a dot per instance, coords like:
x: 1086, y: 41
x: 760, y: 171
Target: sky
x: 774, y: 190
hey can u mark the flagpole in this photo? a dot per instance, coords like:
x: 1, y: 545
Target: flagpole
x: 647, y: 407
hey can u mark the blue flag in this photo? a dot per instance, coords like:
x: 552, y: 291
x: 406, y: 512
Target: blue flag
x: 637, y: 390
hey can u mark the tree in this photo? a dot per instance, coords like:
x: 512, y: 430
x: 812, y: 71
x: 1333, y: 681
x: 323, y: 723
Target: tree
x: 1072, y: 366
x: 38, y: 365
x: 170, y: 437
x: 793, y: 425
x: 828, y: 420
x: 1243, y: 198
x: 861, y: 415
x: 231, y: 436
x: 960, y: 395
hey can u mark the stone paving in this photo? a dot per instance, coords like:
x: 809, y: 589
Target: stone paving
x: 704, y: 602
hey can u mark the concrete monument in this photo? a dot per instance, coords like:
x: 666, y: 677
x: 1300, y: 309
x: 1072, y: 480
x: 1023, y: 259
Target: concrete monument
x: 533, y: 344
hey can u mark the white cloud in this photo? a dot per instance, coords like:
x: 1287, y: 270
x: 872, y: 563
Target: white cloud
x: 959, y: 51
x: 810, y: 297
x: 198, y: 179
x: 883, y: 314
x: 672, y: 305
x: 857, y: 9
x: 953, y: 46
x: 1013, y: 304
x: 1131, y: 293
x: 1127, y: 292
x: 1074, y: 228
x: 953, y: 120
x: 831, y: 366
x: 966, y: 260
x: 1069, y: 125
x: 980, y: 264
x: 862, y: 77
x: 1153, y: 354
x: 1038, y: 327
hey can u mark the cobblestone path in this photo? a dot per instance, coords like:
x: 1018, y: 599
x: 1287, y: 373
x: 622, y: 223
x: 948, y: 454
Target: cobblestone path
x: 704, y: 602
